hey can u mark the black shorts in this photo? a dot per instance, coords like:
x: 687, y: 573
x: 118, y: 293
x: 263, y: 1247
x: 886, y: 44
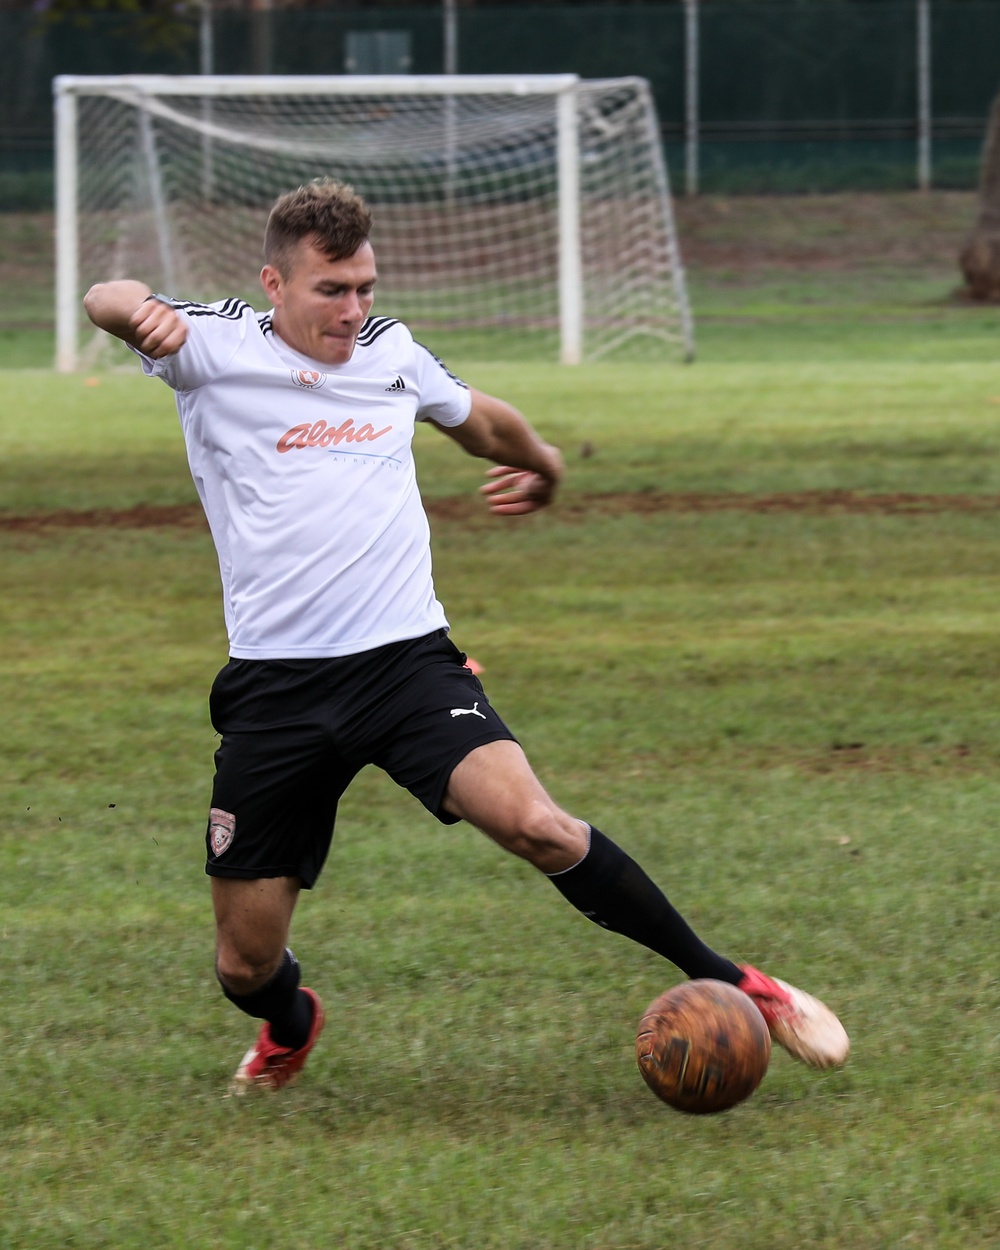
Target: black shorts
x: 296, y: 732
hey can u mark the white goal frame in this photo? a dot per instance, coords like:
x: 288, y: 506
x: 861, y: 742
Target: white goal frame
x: 143, y: 90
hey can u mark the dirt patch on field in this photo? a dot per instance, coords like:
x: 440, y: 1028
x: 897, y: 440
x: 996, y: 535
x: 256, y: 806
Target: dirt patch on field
x: 806, y: 501
x: 836, y: 759
x: 142, y: 516
x: 813, y: 502
x: 468, y: 509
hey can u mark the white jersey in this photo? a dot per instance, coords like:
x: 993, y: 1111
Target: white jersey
x: 306, y: 474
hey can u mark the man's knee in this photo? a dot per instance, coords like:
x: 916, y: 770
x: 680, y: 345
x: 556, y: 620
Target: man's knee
x: 244, y: 971
x: 545, y: 836
x: 251, y: 929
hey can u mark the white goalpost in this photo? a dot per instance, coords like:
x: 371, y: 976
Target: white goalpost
x: 509, y: 210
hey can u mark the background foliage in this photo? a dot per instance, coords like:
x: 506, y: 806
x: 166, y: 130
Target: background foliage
x: 793, y: 97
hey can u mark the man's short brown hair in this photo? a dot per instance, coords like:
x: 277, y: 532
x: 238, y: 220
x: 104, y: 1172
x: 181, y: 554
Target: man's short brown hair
x: 329, y: 212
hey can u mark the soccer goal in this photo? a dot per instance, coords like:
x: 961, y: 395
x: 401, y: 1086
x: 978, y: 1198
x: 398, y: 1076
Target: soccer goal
x: 508, y: 210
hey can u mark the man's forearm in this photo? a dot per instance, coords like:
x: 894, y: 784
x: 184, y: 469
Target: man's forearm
x: 110, y: 305
x: 497, y: 431
x: 515, y: 443
x: 125, y: 309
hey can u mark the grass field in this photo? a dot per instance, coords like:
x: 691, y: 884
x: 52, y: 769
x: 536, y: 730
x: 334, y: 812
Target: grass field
x: 756, y: 641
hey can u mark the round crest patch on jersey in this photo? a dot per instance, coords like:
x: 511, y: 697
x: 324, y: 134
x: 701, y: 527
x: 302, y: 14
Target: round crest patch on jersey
x: 221, y: 830
x: 308, y: 379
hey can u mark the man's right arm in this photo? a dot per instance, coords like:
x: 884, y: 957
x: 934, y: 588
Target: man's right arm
x: 128, y: 310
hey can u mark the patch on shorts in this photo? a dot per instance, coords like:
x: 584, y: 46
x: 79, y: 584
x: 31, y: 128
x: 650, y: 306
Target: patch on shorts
x: 221, y: 830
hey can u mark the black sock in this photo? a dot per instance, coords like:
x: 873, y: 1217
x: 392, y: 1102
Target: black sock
x: 613, y: 891
x: 281, y: 1003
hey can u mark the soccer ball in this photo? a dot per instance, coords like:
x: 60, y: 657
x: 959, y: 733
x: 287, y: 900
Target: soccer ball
x: 703, y: 1046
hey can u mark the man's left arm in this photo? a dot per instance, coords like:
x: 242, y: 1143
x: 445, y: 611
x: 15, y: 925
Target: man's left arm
x: 528, y: 469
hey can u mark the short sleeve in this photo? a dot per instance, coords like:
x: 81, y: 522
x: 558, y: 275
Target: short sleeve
x: 215, y: 333
x: 444, y: 398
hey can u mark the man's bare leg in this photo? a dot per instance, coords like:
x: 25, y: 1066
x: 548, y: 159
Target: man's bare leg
x: 252, y: 921
x: 260, y: 975
x: 495, y: 789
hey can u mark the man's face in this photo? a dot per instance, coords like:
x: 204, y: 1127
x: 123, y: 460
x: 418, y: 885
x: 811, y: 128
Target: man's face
x: 321, y: 304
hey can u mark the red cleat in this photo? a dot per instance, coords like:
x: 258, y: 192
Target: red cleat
x: 804, y: 1026
x: 269, y: 1066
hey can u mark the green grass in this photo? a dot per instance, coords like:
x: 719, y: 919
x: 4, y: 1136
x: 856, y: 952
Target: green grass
x: 112, y: 439
x: 788, y: 714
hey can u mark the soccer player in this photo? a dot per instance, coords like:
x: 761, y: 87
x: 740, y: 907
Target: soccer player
x: 298, y: 423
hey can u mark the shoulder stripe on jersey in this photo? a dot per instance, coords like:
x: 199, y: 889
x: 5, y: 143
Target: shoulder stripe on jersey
x: 373, y: 328
x: 373, y: 323
x: 232, y: 309
x: 438, y: 359
x: 265, y: 323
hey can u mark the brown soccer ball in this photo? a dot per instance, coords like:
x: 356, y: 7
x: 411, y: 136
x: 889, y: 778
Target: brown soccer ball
x: 703, y: 1046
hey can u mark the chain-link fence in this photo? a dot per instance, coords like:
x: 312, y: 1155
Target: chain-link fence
x: 753, y: 95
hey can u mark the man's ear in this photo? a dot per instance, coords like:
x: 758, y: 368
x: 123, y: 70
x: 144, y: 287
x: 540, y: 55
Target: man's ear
x: 271, y: 281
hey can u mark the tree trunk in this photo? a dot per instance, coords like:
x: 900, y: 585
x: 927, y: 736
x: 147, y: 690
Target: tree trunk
x: 980, y: 257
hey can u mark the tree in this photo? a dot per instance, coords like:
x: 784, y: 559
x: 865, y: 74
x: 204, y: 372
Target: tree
x: 161, y: 24
x: 980, y: 257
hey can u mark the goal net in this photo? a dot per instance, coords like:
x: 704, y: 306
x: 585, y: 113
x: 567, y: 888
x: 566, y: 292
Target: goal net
x: 512, y: 214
